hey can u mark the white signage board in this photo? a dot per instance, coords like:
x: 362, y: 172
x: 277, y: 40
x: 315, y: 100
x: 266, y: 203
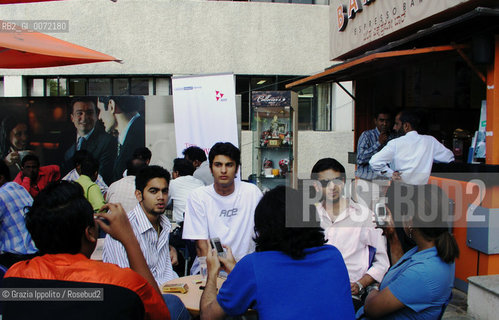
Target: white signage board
x: 204, y: 108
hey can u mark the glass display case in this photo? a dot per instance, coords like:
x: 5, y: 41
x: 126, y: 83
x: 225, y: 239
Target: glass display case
x: 274, y: 128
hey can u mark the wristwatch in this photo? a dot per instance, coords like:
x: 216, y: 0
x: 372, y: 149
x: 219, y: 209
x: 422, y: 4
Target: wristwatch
x: 361, y: 287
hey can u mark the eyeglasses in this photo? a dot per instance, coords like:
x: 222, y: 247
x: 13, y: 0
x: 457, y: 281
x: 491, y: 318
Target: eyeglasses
x: 335, y: 181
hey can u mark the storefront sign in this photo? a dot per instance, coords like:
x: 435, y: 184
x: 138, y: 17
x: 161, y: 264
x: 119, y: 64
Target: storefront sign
x: 271, y: 98
x: 355, y: 23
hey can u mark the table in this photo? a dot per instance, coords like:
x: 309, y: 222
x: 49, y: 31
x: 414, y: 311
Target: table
x: 192, y: 298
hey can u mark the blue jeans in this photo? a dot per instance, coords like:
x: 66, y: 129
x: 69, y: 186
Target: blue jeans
x: 176, y: 307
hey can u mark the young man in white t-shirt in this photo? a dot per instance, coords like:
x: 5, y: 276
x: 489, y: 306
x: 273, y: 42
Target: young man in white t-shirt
x: 224, y: 209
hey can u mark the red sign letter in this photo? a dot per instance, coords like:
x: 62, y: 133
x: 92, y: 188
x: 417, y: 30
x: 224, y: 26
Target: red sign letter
x: 342, y: 17
x: 353, y: 8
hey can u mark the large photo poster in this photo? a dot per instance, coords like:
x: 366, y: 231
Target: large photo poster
x: 53, y: 129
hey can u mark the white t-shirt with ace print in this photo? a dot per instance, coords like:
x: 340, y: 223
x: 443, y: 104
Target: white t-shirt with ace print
x: 230, y: 218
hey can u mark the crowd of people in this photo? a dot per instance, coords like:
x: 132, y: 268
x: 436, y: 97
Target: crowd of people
x: 346, y: 266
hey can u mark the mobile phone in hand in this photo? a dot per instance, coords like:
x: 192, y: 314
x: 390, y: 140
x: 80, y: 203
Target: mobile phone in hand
x: 380, y: 214
x: 216, y: 244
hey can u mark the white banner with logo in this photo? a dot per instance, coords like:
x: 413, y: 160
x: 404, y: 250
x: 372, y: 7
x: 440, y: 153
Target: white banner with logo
x: 204, y: 108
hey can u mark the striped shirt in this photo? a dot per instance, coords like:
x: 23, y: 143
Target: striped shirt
x: 156, y: 250
x: 367, y: 146
x: 14, y: 237
x: 73, y: 176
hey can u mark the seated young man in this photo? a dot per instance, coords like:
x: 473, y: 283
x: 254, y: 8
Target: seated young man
x: 88, y: 176
x: 33, y: 177
x: 292, y: 274
x: 150, y: 225
x: 74, y: 174
x: 15, y: 241
x: 64, y: 228
x: 349, y: 227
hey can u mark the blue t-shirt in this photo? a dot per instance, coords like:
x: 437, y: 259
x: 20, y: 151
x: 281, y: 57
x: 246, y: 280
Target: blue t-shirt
x: 422, y: 282
x: 279, y: 287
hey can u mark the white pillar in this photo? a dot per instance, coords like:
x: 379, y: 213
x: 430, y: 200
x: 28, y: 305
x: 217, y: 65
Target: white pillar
x: 13, y: 86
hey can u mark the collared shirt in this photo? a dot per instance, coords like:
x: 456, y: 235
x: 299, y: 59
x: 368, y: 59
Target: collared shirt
x: 14, y: 237
x: 46, y: 175
x: 91, y: 192
x: 123, y: 191
x: 179, y: 189
x: 203, y: 173
x: 353, y: 232
x: 85, y: 138
x: 422, y: 282
x: 367, y: 146
x: 122, y: 136
x: 156, y: 249
x: 412, y: 155
x: 73, y: 176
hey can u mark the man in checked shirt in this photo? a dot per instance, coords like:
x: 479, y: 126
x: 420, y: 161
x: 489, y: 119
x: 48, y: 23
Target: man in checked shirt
x: 15, y: 240
x: 370, y: 142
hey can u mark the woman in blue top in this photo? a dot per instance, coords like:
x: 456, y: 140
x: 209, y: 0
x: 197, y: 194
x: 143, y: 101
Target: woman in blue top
x: 419, y: 284
x: 292, y: 274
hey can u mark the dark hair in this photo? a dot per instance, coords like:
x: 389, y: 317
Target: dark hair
x: 270, y: 224
x: 89, y: 166
x: 127, y: 104
x: 225, y: 149
x: 183, y: 166
x: 133, y: 166
x: 58, y: 218
x: 4, y: 170
x: 29, y: 157
x: 83, y: 100
x: 429, y: 207
x: 382, y: 111
x: 79, y: 155
x: 8, y: 124
x: 195, y: 153
x: 148, y: 173
x: 411, y: 117
x: 142, y: 153
x: 328, y: 164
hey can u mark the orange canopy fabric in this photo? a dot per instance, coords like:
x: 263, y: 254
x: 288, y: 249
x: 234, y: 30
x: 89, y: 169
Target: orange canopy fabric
x: 22, y: 1
x: 21, y: 48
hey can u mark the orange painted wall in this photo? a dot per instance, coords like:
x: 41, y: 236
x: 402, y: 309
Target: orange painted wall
x: 467, y: 263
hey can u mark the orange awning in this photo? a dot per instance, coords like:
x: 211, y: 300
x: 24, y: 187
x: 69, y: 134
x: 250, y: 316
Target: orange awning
x: 21, y: 48
x: 22, y: 1
x: 343, y: 71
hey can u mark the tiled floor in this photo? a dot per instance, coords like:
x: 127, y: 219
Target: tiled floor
x: 457, y: 307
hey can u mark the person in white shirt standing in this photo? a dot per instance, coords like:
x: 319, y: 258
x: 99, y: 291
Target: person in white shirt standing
x: 224, y: 209
x: 410, y: 157
x: 181, y: 186
x: 349, y: 227
x: 150, y: 225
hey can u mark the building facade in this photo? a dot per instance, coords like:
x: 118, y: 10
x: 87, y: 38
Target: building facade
x: 264, y: 43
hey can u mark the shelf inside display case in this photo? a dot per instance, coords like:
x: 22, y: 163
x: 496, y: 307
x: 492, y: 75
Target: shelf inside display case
x: 275, y: 148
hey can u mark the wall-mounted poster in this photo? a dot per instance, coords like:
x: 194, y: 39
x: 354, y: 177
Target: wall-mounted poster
x: 54, y: 128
